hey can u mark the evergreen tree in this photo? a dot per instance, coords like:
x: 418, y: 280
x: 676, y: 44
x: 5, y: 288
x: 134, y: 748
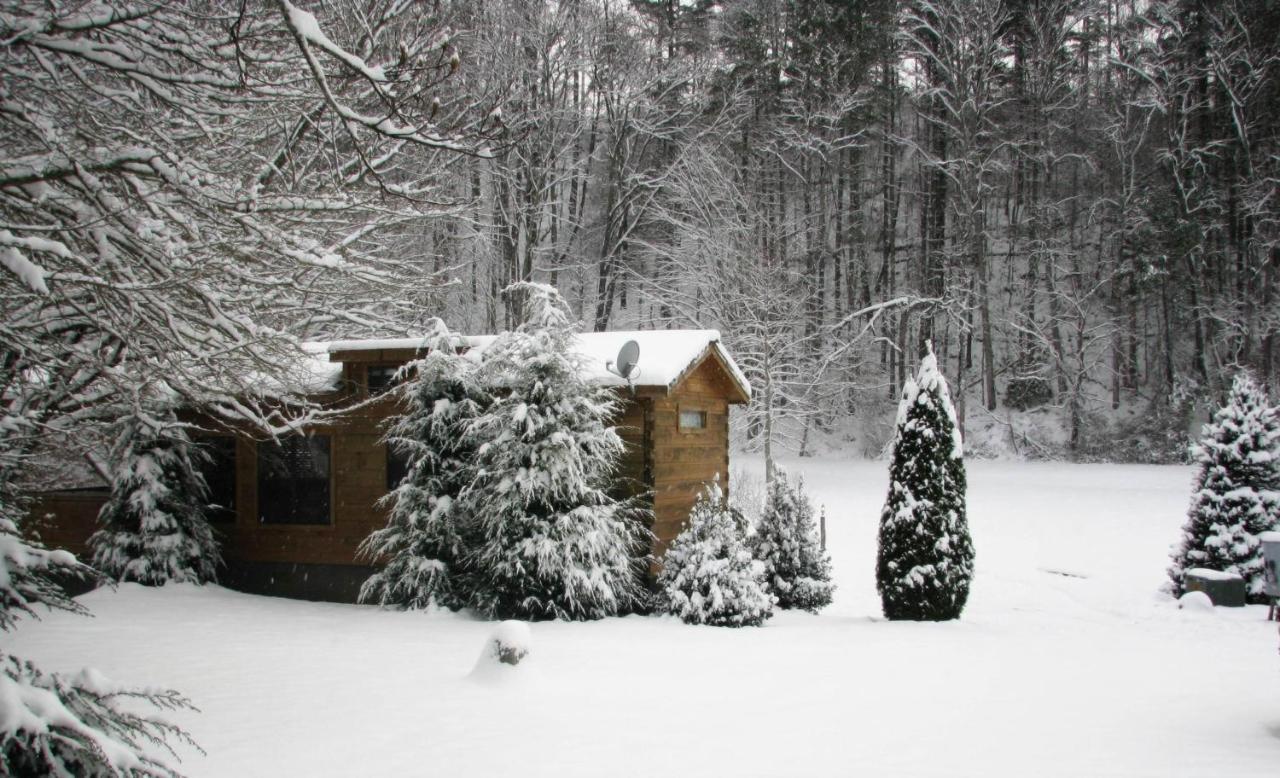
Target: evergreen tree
x: 708, y: 574
x: 1236, y: 495
x: 552, y: 543
x: 82, y: 725
x: 154, y: 527
x: 425, y: 542
x: 925, y: 561
x: 797, y: 569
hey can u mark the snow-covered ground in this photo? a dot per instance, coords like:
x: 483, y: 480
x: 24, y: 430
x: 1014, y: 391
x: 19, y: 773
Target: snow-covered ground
x: 1067, y: 662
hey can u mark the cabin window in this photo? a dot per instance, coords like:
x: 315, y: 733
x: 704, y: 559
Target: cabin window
x: 380, y: 378
x: 397, y: 466
x: 693, y: 420
x: 293, y: 480
x: 218, y: 466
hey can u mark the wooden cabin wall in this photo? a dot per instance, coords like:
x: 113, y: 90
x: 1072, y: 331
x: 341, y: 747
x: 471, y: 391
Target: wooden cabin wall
x: 686, y: 460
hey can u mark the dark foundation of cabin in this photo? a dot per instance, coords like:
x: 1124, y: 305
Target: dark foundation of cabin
x: 677, y: 440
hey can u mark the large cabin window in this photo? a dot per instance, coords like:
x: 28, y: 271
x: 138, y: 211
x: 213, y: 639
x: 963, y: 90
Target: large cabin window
x: 293, y: 480
x: 218, y: 466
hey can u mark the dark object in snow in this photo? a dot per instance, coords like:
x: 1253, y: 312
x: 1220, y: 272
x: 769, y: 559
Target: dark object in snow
x: 1227, y: 590
x: 925, y: 560
x: 1236, y: 496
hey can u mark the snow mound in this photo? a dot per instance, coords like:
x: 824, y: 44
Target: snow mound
x: 1195, y: 602
x: 1206, y: 574
x: 505, y: 654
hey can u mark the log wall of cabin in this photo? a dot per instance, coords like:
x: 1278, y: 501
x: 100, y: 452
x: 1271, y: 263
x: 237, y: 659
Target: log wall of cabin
x: 685, y: 460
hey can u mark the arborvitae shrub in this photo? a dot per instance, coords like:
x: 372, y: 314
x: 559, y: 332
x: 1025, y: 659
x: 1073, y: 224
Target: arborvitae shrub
x: 552, y: 543
x: 428, y: 535
x: 797, y: 569
x: 708, y: 573
x: 925, y: 561
x: 154, y: 525
x: 1236, y: 495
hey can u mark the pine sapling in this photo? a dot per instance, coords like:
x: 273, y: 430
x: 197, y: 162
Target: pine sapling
x: 708, y: 573
x: 154, y: 525
x: 1236, y: 494
x: 797, y: 569
x: 925, y: 560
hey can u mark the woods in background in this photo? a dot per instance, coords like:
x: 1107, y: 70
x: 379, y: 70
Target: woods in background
x: 1074, y: 199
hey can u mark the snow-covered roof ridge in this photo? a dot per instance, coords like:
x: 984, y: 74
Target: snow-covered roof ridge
x: 666, y: 356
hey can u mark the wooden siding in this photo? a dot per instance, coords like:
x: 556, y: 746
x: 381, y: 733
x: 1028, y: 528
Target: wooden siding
x: 66, y: 519
x: 670, y: 464
x: 686, y: 460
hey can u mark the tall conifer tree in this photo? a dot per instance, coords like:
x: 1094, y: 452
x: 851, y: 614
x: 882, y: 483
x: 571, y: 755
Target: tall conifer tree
x: 925, y: 561
x: 552, y: 543
x: 425, y: 542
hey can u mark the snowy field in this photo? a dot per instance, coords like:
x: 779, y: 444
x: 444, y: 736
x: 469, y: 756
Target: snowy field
x: 1067, y: 662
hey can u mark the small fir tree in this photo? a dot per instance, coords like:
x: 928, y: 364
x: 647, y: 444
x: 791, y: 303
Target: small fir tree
x: 552, y: 543
x: 1236, y: 494
x: 82, y: 725
x: 797, y: 569
x: 708, y: 573
x: 154, y: 525
x: 925, y: 561
x: 427, y: 537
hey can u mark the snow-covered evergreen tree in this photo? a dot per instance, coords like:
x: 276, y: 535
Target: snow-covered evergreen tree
x: 1236, y: 495
x: 797, y: 569
x: 925, y: 560
x: 81, y: 725
x: 708, y: 573
x: 154, y: 527
x: 552, y: 543
x: 427, y: 538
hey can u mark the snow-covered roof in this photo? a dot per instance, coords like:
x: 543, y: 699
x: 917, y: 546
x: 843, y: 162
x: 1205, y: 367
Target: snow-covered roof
x: 666, y: 356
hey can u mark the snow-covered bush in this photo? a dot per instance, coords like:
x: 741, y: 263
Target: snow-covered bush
x: 81, y: 725
x: 1236, y: 495
x: 426, y: 542
x: 708, y: 573
x: 154, y: 527
x: 552, y: 543
x: 797, y: 569
x: 925, y: 560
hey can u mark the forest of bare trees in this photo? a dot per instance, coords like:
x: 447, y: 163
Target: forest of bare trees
x: 1074, y: 200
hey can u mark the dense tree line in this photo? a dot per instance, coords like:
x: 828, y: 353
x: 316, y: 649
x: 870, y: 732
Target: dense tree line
x: 1074, y: 199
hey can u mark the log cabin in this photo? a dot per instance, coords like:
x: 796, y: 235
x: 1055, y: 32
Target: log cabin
x: 294, y: 510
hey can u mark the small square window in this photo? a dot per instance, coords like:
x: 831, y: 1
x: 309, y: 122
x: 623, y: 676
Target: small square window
x: 693, y: 420
x: 380, y: 378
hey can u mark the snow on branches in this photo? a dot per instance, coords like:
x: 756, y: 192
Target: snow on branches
x: 427, y: 538
x: 708, y: 573
x: 925, y: 560
x: 1236, y: 496
x: 154, y: 526
x: 552, y: 543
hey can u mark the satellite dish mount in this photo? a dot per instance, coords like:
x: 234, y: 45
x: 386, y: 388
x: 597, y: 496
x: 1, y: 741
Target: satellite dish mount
x: 625, y: 365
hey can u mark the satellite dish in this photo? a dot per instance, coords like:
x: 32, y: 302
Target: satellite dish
x: 625, y: 366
